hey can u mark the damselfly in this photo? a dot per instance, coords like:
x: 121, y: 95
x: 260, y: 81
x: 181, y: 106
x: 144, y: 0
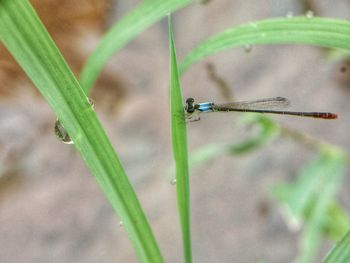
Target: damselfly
x: 192, y: 109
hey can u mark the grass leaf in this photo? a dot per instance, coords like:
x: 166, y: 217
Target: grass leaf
x: 341, y: 252
x: 337, y: 221
x: 316, y: 31
x: 310, y: 198
x: 268, y: 130
x: 25, y: 37
x: 179, y: 140
x: 140, y: 18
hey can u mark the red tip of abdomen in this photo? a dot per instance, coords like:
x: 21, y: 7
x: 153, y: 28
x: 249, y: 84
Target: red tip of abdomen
x: 327, y: 115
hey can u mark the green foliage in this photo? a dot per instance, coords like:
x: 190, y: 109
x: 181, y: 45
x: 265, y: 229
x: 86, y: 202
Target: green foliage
x: 267, y: 131
x: 179, y: 140
x: 140, y: 18
x: 341, y: 252
x: 310, y: 200
x: 25, y: 37
x: 336, y: 221
x: 316, y: 31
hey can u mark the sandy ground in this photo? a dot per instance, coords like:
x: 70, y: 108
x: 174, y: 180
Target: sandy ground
x: 51, y: 207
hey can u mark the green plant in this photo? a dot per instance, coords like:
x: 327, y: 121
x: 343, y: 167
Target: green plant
x: 25, y: 37
x: 179, y: 140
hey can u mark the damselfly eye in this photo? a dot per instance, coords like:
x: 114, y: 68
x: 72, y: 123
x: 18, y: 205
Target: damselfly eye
x: 190, y: 101
x: 190, y: 105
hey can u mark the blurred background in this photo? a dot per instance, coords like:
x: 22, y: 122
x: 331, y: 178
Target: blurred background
x: 52, y: 210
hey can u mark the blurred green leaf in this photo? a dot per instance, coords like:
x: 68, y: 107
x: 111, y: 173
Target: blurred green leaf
x: 336, y: 222
x: 136, y: 21
x: 316, y: 31
x: 268, y: 130
x: 310, y: 197
x: 341, y: 252
x: 208, y: 153
x: 179, y: 140
x: 301, y: 194
x: 25, y: 37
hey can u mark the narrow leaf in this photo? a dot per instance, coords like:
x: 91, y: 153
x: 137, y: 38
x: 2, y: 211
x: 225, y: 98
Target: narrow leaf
x: 316, y: 220
x: 316, y: 31
x: 341, y: 252
x: 310, y: 198
x: 337, y: 221
x: 179, y: 140
x: 140, y: 18
x: 25, y: 37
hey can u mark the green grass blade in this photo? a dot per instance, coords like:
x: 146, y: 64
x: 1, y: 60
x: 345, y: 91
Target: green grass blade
x: 312, y: 234
x: 25, y: 37
x: 179, y: 139
x: 141, y: 17
x: 337, y: 221
x: 268, y: 130
x: 317, y: 175
x: 341, y: 252
x: 310, y: 198
x: 316, y: 31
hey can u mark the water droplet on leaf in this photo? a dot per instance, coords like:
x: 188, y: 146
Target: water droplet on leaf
x: 61, y: 133
x: 173, y: 182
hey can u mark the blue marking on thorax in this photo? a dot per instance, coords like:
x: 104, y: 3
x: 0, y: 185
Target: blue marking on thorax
x: 205, y: 107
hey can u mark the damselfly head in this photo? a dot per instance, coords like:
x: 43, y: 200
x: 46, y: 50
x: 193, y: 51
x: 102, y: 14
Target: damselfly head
x: 190, y: 106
